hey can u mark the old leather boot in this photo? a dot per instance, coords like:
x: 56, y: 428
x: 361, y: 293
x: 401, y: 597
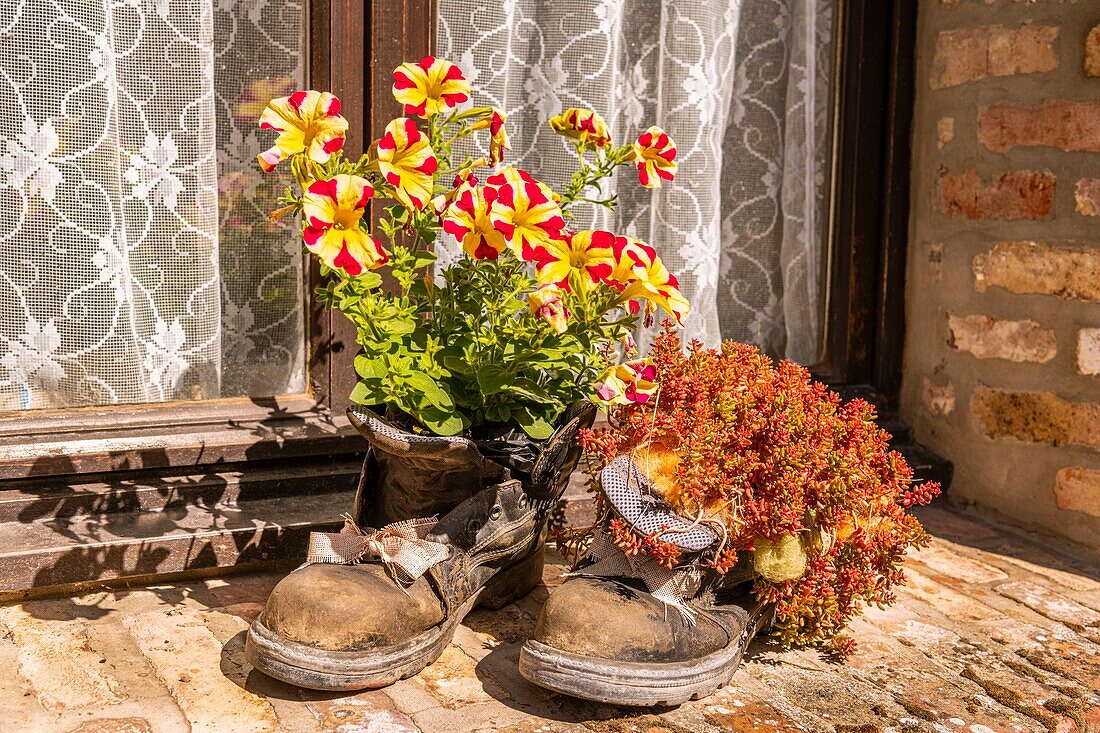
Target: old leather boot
x: 626, y: 630
x: 609, y: 640
x: 380, y: 605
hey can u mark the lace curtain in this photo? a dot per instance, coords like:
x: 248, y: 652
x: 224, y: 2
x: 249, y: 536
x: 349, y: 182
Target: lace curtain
x: 136, y: 264
x: 742, y: 86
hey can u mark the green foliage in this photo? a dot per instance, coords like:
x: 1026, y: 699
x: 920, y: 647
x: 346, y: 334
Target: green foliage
x: 467, y: 353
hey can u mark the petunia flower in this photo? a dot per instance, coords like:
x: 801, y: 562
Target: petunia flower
x: 525, y: 212
x: 545, y: 302
x: 628, y: 253
x: 630, y: 346
x: 627, y: 383
x: 407, y: 162
x: 308, y: 122
x: 583, y: 125
x: 655, y: 154
x: 640, y: 274
x: 467, y: 219
x: 588, y: 252
x: 493, y: 120
x: 333, y: 210
x: 429, y: 87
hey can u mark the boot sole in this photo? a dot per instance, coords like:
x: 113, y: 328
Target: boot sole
x: 636, y: 684
x: 322, y: 669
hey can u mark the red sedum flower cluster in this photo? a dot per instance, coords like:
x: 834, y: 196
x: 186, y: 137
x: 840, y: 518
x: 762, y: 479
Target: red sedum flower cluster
x: 782, y: 464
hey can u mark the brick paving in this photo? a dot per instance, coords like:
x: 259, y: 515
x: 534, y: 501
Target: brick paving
x: 997, y: 631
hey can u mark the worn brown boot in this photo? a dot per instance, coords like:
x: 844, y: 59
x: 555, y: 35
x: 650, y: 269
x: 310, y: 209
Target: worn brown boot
x: 627, y: 631
x: 371, y: 607
x: 609, y: 640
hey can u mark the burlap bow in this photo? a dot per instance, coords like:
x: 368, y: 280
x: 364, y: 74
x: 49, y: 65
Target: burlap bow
x: 663, y: 584
x: 402, y: 547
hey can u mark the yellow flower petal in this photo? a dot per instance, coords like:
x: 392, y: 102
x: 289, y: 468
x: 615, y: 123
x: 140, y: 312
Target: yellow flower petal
x: 525, y: 212
x: 430, y: 86
x: 582, y: 124
x: 655, y: 155
x: 407, y: 162
x: 333, y: 211
x: 467, y: 219
x: 588, y: 253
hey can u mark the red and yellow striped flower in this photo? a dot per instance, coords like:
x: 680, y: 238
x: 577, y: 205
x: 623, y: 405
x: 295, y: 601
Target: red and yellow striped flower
x: 628, y: 383
x: 583, y: 125
x: 588, y: 253
x: 308, y: 122
x: 641, y: 275
x: 655, y: 155
x: 407, y: 162
x: 467, y: 219
x: 546, y: 303
x: 333, y: 210
x: 628, y: 253
x: 430, y: 86
x: 525, y: 212
x: 498, y: 141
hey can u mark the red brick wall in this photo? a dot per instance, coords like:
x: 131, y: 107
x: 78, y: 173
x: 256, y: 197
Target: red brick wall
x: 1002, y: 363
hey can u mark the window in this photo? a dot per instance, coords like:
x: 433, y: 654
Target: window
x: 136, y: 264
x: 211, y: 471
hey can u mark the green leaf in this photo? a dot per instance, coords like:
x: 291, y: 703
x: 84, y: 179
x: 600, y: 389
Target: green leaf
x: 457, y: 364
x: 492, y: 379
x: 423, y: 258
x: 397, y: 212
x: 431, y: 390
x: 368, y: 280
x: 534, y: 425
x: 369, y: 368
x: 524, y: 387
x: 362, y: 394
x: 444, y: 423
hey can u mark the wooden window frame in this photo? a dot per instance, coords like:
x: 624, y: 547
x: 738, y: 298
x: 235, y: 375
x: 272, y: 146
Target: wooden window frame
x: 352, y: 46
x: 865, y: 311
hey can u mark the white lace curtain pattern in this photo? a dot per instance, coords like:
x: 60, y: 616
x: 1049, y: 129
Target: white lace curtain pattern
x: 742, y: 86
x: 134, y: 265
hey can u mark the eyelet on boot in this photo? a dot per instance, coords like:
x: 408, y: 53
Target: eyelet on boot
x: 495, y: 512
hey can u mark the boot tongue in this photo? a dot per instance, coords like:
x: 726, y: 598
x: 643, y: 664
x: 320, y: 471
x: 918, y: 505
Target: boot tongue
x: 516, y: 451
x: 475, y: 519
x: 559, y: 454
x: 632, y: 495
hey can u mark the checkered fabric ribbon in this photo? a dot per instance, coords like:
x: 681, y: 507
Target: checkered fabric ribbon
x: 663, y: 584
x: 402, y: 547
